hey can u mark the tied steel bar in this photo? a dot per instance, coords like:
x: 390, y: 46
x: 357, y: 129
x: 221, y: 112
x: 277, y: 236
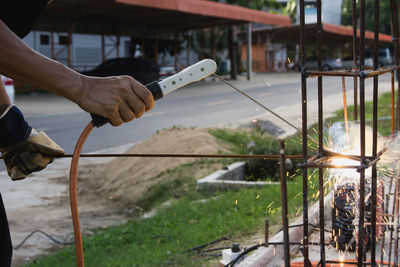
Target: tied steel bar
x: 320, y: 137
x: 237, y: 156
x: 284, y: 203
x: 304, y: 134
x: 374, y: 138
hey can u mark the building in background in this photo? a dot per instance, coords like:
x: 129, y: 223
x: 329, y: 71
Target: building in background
x: 331, y: 11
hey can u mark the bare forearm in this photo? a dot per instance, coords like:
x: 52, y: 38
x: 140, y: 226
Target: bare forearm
x: 20, y: 62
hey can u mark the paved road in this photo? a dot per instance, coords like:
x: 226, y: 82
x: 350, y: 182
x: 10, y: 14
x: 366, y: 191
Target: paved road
x: 203, y: 104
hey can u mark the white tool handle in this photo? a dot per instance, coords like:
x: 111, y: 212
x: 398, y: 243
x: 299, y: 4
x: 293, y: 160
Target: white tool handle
x: 193, y: 73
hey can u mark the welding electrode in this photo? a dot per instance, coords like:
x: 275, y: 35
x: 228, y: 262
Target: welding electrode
x: 191, y: 74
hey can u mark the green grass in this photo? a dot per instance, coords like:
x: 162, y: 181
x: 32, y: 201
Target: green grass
x: 384, y: 112
x: 162, y: 239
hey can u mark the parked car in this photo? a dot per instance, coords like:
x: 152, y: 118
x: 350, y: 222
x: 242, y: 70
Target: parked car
x: 312, y: 64
x: 348, y: 62
x: 384, y: 56
x: 142, y: 69
x: 9, y: 85
x: 166, y: 71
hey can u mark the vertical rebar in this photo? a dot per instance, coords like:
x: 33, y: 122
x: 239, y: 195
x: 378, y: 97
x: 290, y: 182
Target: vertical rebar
x: 355, y: 58
x: 396, y: 217
x: 304, y: 131
x: 320, y: 138
x: 361, y: 226
x: 395, y: 37
x: 374, y: 137
x: 266, y: 233
x: 346, y: 118
x: 393, y: 210
x: 385, y: 220
x: 393, y: 107
x: 284, y: 203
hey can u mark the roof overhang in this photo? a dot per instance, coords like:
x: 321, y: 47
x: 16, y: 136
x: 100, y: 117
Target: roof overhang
x: 332, y: 34
x: 148, y: 18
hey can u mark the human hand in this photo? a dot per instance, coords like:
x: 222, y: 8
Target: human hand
x: 118, y: 98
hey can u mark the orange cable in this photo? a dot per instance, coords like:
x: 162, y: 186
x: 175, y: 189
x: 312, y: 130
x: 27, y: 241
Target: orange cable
x: 73, y: 177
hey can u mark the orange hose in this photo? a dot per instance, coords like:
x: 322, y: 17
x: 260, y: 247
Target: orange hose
x: 73, y: 177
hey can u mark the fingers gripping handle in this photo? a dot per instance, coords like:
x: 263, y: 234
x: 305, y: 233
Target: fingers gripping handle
x: 154, y: 88
x: 193, y: 73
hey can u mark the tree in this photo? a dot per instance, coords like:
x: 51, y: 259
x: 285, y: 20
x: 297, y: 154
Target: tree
x: 384, y: 15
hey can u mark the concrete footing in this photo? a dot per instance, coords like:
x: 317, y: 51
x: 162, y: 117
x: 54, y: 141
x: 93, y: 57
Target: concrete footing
x: 230, y: 178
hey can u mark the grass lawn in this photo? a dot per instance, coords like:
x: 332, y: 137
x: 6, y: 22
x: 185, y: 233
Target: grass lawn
x: 162, y: 240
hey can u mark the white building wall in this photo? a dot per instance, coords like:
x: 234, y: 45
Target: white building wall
x: 85, y: 51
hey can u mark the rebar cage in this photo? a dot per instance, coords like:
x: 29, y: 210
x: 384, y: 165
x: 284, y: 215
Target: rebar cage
x: 360, y: 74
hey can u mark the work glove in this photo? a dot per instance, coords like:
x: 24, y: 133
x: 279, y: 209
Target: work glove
x: 26, y: 150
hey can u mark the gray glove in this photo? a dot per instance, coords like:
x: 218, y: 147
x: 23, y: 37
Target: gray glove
x: 32, y: 155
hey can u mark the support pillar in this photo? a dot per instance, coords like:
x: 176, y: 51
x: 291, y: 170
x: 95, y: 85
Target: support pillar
x: 249, y: 54
x: 188, y: 44
x: 176, y: 53
x: 117, y: 43
x: 269, y: 37
x: 232, y: 53
x: 156, y: 51
x: 103, y: 48
x: 71, y: 26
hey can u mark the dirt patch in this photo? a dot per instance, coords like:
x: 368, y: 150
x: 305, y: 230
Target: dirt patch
x: 127, y: 179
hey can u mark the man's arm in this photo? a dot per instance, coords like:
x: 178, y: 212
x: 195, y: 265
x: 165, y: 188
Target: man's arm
x: 120, y: 98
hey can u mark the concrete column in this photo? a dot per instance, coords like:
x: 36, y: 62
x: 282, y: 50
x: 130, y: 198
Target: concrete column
x: 71, y: 26
x: 232, y: 52
x: 103, y: 48
x: 249, y: 54
x: 117, y: 43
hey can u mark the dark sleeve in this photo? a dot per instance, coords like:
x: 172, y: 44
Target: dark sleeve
x: 20, y: 15
x: 13, y: 128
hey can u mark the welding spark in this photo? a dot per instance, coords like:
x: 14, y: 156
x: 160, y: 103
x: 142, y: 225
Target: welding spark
x: 298, y: 211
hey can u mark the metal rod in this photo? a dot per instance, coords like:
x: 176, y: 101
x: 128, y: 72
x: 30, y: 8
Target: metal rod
x: 396, y: 217
x: 326, y: 166
x: 346, y: 118
x: 284, y: 203
x: 361, y: 234
x: 393, y: 107
x: 385, y: 219
x: 258, y: 103
x: 347, y: 73
x: 304, y: 134
x: 374, y: 138
x: 395, y: 37
x: 179, y: 156
x: 320, y: 138
x: 393, y: 211
x: 266, y: 233
x: 354, y: 17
